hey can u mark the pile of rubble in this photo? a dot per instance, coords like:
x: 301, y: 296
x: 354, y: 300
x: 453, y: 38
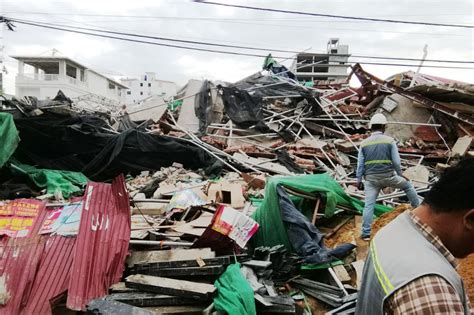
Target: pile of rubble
x: 237, y: 198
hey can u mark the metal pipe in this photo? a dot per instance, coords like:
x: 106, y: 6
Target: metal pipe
x: 197, y: 143
x: 243, y: 137
x: 368, y: 121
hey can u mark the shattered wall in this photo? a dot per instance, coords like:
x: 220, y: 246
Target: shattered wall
x: 405, y: 111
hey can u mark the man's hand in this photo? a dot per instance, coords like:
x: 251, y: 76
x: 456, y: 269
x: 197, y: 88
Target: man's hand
x: 360, y: 185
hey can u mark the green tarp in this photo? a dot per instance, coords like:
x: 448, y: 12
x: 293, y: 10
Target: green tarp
x: 268, y: 61
x: 234, y: 294
x: 9, y: 138
x: 272, y: 230
x: 68, y: 183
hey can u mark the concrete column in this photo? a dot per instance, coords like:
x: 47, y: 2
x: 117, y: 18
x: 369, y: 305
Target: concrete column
x: 36, y: 71
x: 21, y: 67
x: 62, y: 69
x: 78, y: 74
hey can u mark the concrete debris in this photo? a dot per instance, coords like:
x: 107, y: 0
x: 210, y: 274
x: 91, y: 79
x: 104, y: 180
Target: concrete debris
x: 182, y: 288
x: 461, y: 146
x: 197, y: 170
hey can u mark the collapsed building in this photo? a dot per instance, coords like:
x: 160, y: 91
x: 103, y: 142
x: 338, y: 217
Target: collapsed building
x: 236, y: 198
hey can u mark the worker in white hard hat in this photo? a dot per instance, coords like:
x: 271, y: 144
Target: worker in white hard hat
x: 379, y: 163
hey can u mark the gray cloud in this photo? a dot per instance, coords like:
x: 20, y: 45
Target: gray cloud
x: 241, y: 27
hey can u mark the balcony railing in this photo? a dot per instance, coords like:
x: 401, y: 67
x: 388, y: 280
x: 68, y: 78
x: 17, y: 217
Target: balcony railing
x: 49, y: 77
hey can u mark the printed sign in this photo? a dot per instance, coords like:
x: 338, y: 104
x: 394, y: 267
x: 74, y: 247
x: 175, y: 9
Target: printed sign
x: 18, y: 216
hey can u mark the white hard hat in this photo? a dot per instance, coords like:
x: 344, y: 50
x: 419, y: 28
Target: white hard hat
x: 378, y: 119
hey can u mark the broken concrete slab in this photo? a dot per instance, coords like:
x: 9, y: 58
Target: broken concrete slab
x: 154, y: 256
x: 342, y: 273
x: 195, y: 227
x: 226, y: 192
x: 418, y: 174
x: 167, y: 286
x: 198, y: 262
x: 261, y: 163
x: 187, y: 118
x: 184, y: 272
x: 461, y: 146
x: 257, y: 264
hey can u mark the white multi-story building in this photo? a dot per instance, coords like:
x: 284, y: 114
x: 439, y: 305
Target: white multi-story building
x: 330, y: 66
x: 43, y: 76
x: 146, y: 86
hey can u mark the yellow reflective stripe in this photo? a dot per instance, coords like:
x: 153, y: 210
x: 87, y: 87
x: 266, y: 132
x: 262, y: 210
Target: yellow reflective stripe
x: 378, y: 162
x: 387, y: 286
x: 375, y: 142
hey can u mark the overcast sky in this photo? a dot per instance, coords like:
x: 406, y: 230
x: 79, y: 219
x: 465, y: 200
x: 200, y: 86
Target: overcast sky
x: 183, y: 19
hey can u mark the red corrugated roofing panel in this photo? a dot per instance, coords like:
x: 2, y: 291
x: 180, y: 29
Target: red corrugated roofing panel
x: 18, y: 264
x: 102, y: 242
x: 39, y: 268
x: 52, y: 276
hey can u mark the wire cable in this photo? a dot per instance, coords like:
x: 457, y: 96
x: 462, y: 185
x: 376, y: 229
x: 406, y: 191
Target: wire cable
x: 206, y: 49
x: 230, y: 46
x: 333, y: 15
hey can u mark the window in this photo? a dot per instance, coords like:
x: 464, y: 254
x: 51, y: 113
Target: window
x: 129, y: 92
x: 111, y: 86
x: 141, y: 84
x: 71, y: 71
x: 149, y: 84
x: 141, y: 93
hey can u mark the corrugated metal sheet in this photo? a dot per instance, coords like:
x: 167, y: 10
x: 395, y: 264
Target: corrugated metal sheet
x: 40, y: 268
x: 102, y: 242
x: 52, y: 276
x: 19, y: 260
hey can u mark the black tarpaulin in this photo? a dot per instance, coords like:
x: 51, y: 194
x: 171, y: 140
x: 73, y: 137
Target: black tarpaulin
x: 240, y: 107
x: 85, y: 143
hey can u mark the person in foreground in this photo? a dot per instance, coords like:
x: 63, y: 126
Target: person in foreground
x: 411, y: 265
x: 379, y: 162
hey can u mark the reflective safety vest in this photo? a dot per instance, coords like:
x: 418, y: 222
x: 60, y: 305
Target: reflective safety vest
x: 377, y: 154
x: 399, y: 254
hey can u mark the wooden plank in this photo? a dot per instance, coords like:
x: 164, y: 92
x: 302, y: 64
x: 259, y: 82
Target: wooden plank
x: 315, y: 213
x: 167, y: 286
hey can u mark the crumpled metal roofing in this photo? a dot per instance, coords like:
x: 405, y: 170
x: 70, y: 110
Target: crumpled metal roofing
x: 102, y: 242
x: 39, y: 269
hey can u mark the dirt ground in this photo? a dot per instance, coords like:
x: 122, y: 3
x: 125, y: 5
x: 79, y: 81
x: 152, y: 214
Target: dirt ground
x: 466, y: 267
x: 344, y: 235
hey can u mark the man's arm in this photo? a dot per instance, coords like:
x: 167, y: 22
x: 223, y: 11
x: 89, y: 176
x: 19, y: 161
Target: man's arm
x: 426, y: 295
x: 360, y: 166
x: 396, y: 158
